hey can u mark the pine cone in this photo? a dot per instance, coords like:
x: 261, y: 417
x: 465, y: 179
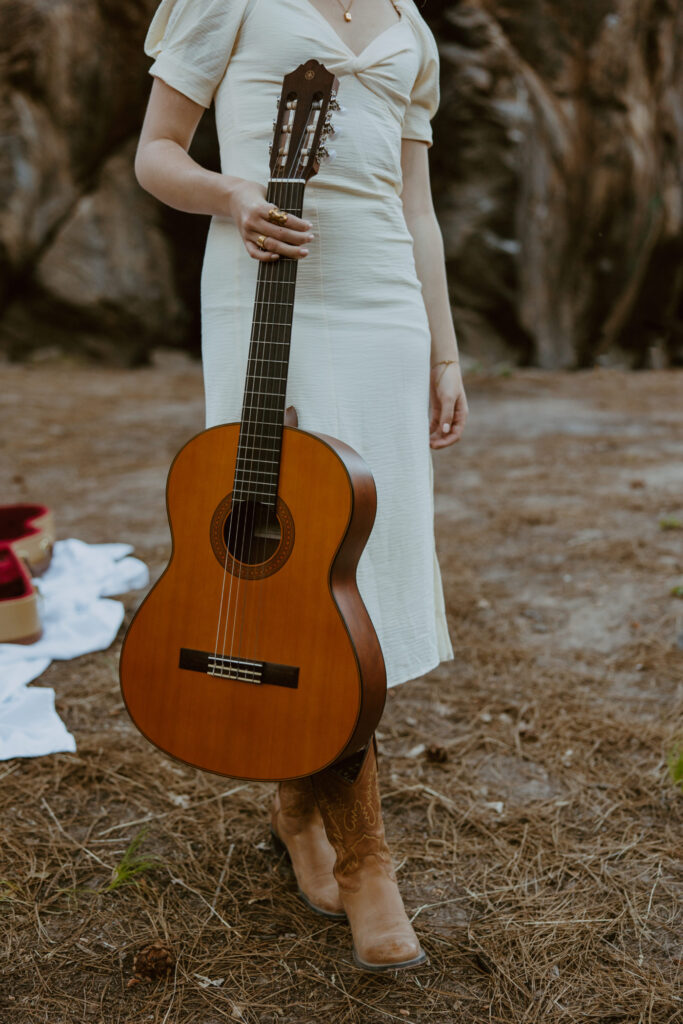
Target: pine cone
x: 153, y: 961
x: 436, y: 754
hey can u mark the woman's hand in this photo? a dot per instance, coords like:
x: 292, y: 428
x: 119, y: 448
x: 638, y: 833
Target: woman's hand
x: 249, y: 210
x: 447, y: 405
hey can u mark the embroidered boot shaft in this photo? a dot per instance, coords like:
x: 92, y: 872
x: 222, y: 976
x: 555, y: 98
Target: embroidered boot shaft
x: 349, y: 801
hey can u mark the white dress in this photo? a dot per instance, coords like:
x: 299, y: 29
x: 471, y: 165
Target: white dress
x: 360, y: 353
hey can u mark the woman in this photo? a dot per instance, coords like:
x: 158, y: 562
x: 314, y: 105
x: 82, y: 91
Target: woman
x: 374, y: 356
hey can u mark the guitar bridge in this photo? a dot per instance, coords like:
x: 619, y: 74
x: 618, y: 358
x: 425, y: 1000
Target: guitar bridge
x: 243, y: 670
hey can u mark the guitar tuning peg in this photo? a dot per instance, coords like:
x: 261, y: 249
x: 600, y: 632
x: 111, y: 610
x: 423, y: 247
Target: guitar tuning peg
x: 326, y: 154
x: 334, y: 104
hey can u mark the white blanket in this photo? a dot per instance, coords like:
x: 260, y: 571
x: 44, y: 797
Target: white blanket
x: 77, y: 618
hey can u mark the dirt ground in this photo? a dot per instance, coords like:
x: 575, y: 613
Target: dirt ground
x: 526, y: 789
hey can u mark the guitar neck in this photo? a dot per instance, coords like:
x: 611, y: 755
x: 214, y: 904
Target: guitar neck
x: 260, y: 441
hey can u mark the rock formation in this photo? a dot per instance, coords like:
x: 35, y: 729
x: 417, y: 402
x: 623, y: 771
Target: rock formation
x: 557, y: 173
x: 559, y: 176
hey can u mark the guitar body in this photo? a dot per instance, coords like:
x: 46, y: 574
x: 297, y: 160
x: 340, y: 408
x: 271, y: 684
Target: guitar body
x: 259, y: 663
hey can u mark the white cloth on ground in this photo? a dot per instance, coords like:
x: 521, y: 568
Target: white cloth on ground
x: 77, y: 618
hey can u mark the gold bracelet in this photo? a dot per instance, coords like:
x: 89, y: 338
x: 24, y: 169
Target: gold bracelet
x: 445, y: 363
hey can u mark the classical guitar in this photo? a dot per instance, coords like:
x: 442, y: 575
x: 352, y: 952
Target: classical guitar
x: 254, y: 656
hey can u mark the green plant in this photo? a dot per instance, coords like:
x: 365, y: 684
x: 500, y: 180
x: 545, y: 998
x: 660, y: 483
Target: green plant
x: 130, y: 865
x: 675, y: 761
x: 670, y: 523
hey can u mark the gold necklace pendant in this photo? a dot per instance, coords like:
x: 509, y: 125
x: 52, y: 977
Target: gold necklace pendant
x: 347, y: 10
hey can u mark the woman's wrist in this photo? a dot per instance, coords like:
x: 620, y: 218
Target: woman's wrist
x: 454, y: 358
x: 229, y: 186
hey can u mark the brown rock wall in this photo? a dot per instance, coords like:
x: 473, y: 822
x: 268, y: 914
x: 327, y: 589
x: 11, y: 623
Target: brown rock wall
x: 557, y: 172
x: 559, y: 177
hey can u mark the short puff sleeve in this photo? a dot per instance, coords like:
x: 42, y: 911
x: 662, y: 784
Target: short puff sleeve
x: 191, y: 42
x: 424, y: 97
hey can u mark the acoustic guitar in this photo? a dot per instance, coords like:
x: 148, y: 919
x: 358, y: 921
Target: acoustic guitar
x: 253, y: 656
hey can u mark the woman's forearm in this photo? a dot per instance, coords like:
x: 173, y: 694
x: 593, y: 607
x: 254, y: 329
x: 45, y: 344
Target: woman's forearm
x: 164, y: 169
x: 428, y: 251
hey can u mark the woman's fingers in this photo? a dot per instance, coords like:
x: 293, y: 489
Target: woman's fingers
x: 283, y: 240
x: 295, y: 231
x: 459, y: 417
x: 442, y: 418
x: 293, y: 222
x: 447, y: 427
x: 260, y: 254
x: 272, y: 245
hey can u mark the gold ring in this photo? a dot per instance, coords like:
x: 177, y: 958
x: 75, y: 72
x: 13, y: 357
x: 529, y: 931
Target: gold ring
x: 277, y: 216
x: 261, y: 242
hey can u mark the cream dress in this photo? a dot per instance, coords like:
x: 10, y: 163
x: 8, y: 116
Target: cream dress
x: 360, y: 352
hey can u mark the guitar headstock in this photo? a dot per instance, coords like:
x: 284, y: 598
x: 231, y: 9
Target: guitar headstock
x: 302, y: 125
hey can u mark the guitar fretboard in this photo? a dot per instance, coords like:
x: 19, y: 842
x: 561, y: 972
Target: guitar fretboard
x: 260, y: 441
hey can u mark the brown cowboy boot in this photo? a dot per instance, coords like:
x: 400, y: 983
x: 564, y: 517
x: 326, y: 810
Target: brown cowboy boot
x: 296, y: 825
x: 348, y: 798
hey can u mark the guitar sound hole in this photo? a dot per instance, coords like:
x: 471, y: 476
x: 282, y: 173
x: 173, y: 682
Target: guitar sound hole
x: 252, y: 532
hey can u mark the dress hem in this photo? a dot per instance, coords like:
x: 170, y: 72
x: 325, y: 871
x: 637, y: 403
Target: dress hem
x: 418, y: 673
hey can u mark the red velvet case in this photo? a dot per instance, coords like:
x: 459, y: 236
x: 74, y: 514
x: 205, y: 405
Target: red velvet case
x: 27, y: 537
x: 29, y: 531
x: 19, y: 619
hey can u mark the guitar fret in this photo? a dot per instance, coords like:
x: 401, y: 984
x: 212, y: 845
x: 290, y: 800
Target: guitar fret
x: 270, y: 323
x: 258, y: 472
x: 255, y: 342
x: 274, y: 392
x: 261, y: 409
x: 267, y: 359
x: 261, y: 376
x: 240, y: 463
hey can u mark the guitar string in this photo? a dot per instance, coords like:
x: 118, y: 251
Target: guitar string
x: 276, y: 317
x: 268, y: 432
x: 246, y: 446
x: 244, y: 470
x: 241, y: 491
x: 238, y: 503
x: 275, y: 396
x: 284, y: 275
x: 293, y: 203
x: 279, y: 283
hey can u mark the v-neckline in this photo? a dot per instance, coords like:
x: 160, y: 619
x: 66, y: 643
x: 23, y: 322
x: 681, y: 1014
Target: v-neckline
x: 389, y: 28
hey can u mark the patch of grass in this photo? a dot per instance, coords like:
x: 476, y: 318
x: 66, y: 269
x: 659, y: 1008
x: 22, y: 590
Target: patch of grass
x: 677, y: 591
x: 675, y: 762
x: 130, y: 866
x: 670, y: 523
